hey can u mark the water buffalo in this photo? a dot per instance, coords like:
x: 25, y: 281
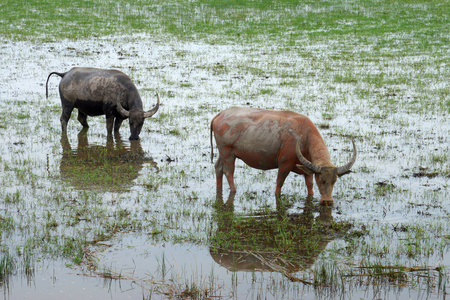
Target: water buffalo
x: 96, y: 92
x: 270, y: 139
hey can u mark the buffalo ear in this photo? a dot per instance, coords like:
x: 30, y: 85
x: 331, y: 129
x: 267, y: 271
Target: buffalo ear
x: 305, y: 169
x: 345, y: 173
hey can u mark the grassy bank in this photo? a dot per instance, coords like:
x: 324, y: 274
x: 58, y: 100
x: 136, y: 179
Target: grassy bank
x: 426, y: 22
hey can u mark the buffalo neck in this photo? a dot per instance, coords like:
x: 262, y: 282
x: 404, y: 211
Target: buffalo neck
x: 134, y: 101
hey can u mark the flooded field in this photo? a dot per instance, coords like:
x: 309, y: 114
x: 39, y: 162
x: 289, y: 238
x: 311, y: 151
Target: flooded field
x: 85, y: 215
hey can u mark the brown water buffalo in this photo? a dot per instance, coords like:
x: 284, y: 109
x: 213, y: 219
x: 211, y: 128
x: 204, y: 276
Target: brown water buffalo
x: 96, y: 92
x: 270, y: 139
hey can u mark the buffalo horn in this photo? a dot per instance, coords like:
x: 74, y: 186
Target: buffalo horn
x: 125, y: 113
x: 345, y: 168
x: 304, y: 161
x: 152, y: 111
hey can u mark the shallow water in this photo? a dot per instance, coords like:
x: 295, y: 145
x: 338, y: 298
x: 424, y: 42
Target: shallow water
x: 148, y: 270
x: 164, y: 185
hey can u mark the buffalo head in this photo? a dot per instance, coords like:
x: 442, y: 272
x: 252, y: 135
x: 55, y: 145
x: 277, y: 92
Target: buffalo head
x: 326, y: 175
x: 136, y: 117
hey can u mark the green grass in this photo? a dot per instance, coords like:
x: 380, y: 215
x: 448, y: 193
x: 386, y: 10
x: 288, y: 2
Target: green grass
x: 236, y: 21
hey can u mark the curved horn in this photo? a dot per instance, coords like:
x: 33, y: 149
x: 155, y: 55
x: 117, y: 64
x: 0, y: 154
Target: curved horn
x: 313, y: 167
x: 125, y: 113
x: 345, y: 168
x: 152, y: 111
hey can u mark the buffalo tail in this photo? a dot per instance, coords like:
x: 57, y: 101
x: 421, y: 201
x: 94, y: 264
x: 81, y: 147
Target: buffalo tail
x: 46, y: 84
x: 210, y: 140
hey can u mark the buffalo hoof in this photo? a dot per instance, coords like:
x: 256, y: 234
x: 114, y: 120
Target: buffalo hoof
x: 326, y: 202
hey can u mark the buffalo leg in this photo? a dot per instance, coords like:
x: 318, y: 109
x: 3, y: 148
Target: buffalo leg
x: 82, y: 119
x: 65, y: 116
x: 309, y: 184
x: 225, y: 165
x: 219, y: 174
x: 228, y: 169
x: 281, y: 177
x: 219, y: 182
x: 109, y: 124
x: 117, y: 123
x: 282, y: 174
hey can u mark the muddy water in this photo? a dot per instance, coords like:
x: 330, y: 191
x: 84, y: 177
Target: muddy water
x: 159, y: 192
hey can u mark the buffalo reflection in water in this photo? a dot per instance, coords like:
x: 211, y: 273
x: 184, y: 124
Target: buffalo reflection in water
x: 107, y: 168
x: 270, y: 242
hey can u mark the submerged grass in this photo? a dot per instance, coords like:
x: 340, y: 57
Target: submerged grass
x: 7, y: 268
x: 286, y: 236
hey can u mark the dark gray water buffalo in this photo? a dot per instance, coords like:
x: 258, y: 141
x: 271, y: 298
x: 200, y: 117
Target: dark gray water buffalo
x: 96, y: 92
x: 270, y: 139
